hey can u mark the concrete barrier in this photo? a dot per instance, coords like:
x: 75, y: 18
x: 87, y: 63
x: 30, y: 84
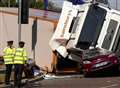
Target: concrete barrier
x: 2, y: 73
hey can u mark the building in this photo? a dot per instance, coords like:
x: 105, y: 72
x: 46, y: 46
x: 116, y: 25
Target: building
x: 46, y: 24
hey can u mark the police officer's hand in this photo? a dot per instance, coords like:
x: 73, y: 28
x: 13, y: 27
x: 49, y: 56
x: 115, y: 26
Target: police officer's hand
x: 25, y: 65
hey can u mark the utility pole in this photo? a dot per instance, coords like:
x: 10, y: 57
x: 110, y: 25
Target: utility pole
x: 19, y: 21
x: 23, y: 14
x: 116, y: 4
x: 9, y: 3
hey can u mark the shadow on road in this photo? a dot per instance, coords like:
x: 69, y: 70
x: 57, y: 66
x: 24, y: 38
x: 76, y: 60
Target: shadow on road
x: 104, y: 74
x: 33, y: 85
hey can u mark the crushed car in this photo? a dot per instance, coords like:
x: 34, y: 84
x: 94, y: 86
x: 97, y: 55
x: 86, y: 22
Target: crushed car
x: 98, y: 61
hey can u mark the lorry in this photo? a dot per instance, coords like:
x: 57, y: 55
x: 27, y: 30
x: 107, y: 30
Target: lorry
x: 82, y: 27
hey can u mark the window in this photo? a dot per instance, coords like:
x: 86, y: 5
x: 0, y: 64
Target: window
x: 90, y: 53
x: 116, y: 44
x: 110, y: 33
x: 92, y: 27
x: 74, y: 24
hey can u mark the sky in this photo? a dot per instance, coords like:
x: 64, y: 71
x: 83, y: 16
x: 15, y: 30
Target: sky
x: 112, y: 3
x: 58, y: 2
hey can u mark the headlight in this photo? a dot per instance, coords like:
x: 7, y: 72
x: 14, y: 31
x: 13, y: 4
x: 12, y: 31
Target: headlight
x: 111, y: 55
x: 86, y: 62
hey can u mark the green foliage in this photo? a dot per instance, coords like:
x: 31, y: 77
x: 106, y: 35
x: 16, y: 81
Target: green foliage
x: 12, y: 3
x: 3, y: 3
x: 52, y: 7
x: 6, y: 3
x: 37, y: 5
x: 32, y: 4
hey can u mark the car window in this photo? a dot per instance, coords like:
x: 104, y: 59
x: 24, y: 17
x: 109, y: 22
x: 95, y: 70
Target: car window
x: 94, y: 52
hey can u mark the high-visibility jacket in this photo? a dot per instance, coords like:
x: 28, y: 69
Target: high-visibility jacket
x: 8, y: 55
x: 20, y: 56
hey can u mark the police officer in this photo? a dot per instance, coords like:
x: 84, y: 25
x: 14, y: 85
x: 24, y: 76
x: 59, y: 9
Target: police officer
x: 19, y: 61
x: 9, y: 52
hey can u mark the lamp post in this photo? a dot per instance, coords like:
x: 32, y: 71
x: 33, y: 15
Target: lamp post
x: 19, y: 21
x: 116, y: 4
x: 8, y: 3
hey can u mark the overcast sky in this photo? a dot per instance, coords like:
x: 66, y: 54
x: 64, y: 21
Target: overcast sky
x: 112, y: 3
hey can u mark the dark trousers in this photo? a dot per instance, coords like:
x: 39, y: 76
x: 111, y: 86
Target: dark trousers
x: 18, y: 74
x: 8, y: 73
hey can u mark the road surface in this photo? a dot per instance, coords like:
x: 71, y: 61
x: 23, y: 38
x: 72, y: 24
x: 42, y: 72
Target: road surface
x: 77, y: 82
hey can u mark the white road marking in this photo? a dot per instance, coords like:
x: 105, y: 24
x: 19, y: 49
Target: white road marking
x: 108, y: 81
x: 61, y: 77
x: 110, y: 86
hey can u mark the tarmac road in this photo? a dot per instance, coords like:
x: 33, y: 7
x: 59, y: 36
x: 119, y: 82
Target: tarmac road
x: 76, y: 82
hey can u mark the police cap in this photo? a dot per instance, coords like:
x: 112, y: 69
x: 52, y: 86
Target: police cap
x: 10, y: 42
x: 21, y: 42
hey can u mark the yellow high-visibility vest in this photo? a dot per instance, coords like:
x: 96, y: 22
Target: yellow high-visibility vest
x: 20, y: 56
x: 8, y: 55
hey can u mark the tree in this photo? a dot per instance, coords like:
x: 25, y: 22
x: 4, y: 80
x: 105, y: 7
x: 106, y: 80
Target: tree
x: 7, y: 3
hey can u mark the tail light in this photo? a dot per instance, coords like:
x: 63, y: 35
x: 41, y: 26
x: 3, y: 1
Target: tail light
x: 115, y: 61
x: 113, y: 57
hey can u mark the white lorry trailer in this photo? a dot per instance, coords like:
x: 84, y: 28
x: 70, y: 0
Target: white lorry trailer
x: 82, y: 27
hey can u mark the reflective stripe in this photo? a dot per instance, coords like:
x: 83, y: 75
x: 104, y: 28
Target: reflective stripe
x: 8, y: 60
x: 20, y: 56
x: 17, y: 58
x: 9, y: 63
x: 18, y: 62
x: 8, y: 55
